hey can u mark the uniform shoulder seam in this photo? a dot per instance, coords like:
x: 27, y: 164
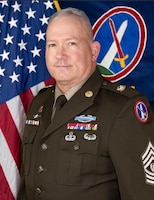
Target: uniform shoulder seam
x: 124, y: 90
x: 45, y: 89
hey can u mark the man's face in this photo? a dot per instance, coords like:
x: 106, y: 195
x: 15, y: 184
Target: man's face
x: 70, y: 54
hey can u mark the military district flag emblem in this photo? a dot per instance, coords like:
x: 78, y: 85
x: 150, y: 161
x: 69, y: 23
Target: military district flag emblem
x: 148, y: 163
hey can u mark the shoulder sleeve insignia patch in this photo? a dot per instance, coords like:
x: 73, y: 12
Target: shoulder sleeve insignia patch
x: 148, y: 163
x: 141, y: 111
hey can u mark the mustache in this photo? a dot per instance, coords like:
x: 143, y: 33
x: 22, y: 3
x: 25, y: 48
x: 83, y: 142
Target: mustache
x: 61, y: 64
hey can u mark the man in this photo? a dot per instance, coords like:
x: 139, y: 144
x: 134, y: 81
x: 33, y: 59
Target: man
x: 100, y: 144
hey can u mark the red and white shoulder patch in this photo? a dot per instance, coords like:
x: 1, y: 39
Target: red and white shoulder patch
x: 141, y: 111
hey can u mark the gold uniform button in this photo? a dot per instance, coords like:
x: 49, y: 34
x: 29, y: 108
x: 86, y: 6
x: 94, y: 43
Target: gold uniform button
x: 89, y: 94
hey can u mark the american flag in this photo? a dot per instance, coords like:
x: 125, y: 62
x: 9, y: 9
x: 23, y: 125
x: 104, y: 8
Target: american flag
x: 22, y: 74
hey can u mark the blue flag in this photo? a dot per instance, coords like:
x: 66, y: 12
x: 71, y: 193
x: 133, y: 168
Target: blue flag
x: 125, y: 30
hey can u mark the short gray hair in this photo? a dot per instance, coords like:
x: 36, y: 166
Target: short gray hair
x: 74, y: 12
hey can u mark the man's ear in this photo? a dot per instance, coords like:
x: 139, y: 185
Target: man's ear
x: 95, y: 50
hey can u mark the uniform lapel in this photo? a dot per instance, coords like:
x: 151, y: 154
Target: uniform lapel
x: 82, y: 100
x: 47, y: 110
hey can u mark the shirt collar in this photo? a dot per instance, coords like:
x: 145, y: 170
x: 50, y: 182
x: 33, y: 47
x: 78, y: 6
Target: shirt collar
x: 70, y: 92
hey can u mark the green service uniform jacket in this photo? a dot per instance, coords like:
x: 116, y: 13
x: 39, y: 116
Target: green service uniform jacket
x: 99, y: 146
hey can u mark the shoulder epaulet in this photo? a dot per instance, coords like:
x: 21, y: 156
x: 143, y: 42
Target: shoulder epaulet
x: 46, y: 88
x: 125, y: 90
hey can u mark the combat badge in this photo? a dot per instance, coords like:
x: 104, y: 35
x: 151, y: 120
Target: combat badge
x: 85, y: 118
x: 148, y: 163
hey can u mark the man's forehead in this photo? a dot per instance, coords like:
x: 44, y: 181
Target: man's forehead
x: 68, y: 25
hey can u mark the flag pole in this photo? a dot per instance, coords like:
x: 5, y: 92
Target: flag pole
x: 56, y: 3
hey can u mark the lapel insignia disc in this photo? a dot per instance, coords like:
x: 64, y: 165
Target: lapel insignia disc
x: 89, y: 93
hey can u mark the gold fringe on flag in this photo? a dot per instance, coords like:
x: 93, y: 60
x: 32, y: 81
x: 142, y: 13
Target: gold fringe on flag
x: 56, y: 3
